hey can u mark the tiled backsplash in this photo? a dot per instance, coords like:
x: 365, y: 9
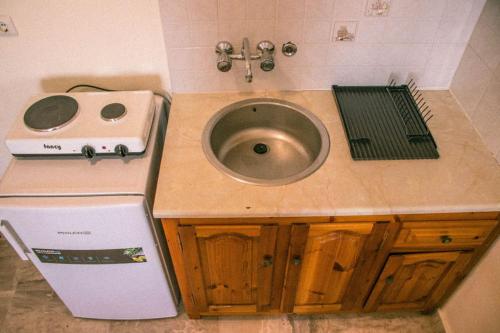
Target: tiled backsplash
x: 476, y: 84
x: 424, y: 37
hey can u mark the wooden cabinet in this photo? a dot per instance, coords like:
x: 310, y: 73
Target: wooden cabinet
x: 416, y: 281
x: 331, y: 255
x: 444, y: 234
x: 230, y: 268
x: 318, y: 265
x: 330, y: 258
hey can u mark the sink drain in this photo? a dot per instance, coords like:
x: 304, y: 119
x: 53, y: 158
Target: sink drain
x: 260, y: 148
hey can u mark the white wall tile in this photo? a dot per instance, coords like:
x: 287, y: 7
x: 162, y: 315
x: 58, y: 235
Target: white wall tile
x: 230, y: 81
x: 203, y: 33
x: 232, y: 9
x: 394, y: 55
x: 341, y: 54
x: 425, y: 31
x: 319, y: 9
x: 196, y: 58
x: 314, y: 54
x: 176, y: 35
x: 341, y: 26
x: 371, y: 31
x: 360, y: 75
x: 430, y: 8
x: 232, y: 31
x: 315, y: 77
x: 196, y: 81
x: 446, y: 55
x: 436, y: 77
x: 458, y: 9
x: 399, y: 31
x: 349, y: 9
x: 404, y: 8
x: 202, y: 10
x: 403, y: 73
x: 289, y: 78
x: 261, y: 9
x: 259, y: 30
x: 295, y: 61
x: 417, y: 8
x: 417, y: 55
x: 452, y: 30
x: 317, y: 31
x: 173, y: 11
x: 289, y: 30
x: 291, y: 9
x: 424, y: 36
x: 351, y: 54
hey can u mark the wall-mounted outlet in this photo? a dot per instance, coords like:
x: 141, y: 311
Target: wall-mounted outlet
x: 7, y: 27
x: 377, y: 7
x: 345, y: 31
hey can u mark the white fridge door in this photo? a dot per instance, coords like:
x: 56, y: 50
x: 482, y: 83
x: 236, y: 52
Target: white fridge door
x: 97, y: 253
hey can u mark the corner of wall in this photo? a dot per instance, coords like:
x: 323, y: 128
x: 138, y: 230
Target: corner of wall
x: 444, y: 320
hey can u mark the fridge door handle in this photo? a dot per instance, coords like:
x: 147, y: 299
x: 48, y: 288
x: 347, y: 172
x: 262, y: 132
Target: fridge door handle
x: 10, y: 234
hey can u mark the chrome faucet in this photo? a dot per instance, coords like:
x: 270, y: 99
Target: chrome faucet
x: 245, y: 52
x: 225, y: 56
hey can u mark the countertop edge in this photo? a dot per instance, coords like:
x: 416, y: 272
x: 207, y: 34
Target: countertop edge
x: 339, y: 212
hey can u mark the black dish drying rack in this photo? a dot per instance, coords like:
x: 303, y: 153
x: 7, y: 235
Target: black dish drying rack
x: 386, y: 122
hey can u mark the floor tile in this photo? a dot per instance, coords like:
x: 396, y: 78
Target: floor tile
x: 179, y: 324
x: 251, y: 324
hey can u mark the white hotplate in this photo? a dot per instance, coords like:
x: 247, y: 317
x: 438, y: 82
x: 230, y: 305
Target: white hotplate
x: 83, y: 123
x: 69, y: 176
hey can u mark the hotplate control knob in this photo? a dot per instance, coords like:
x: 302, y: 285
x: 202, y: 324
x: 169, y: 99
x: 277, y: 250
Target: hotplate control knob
x: 121, y: 150
x: 88, y: 151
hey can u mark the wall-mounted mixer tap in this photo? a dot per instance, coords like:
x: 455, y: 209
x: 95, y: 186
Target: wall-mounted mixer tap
x: 224, y: 51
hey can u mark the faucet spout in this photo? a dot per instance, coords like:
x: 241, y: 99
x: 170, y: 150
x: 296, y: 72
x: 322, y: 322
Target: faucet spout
x: 245, y: 52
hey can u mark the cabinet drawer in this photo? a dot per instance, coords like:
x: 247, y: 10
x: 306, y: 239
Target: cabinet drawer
x: 444, y: 234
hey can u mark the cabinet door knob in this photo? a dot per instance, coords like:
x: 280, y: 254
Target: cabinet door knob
x: 445, y: 239
x: 389, y: 279
x: 297, y: 260
x: 338, y: 267
x: 267, y: 261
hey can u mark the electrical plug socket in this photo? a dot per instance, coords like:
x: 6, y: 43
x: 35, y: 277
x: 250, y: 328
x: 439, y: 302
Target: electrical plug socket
x: 7, y: 27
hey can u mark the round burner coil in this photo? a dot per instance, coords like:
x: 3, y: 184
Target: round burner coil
x: 113, y: 112
x: 51, y: 113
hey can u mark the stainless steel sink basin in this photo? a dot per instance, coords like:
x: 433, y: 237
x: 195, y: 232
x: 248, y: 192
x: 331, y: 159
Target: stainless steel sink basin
x: 266, y: 141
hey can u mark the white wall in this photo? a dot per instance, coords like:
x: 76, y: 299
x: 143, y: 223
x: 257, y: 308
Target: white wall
x: 116, y: 43
x: 424, y: 37
x: 476, y: 84
x: 475, y: 306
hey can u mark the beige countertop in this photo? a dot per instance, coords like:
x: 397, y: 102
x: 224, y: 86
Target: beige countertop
x: 466, y: 178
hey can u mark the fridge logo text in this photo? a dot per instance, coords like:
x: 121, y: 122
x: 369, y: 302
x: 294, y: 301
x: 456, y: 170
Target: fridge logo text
x: 46, y: 146
x: 74, y: 233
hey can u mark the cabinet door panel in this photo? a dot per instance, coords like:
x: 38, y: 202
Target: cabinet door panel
x: 330, y: 258
x: 411, y: 280
x: 227, y: 262
x: 230, y: 265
